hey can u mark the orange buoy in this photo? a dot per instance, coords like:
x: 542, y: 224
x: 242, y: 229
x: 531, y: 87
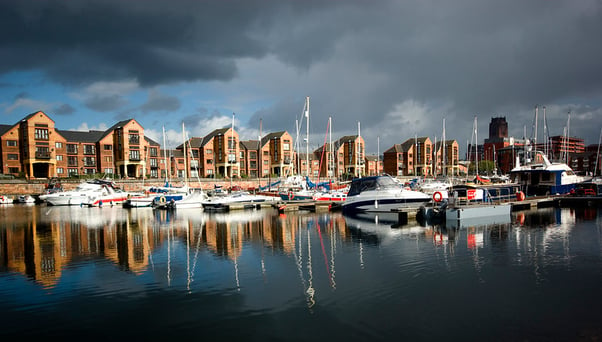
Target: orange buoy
x: 520, y: 196
x: 437, y: 196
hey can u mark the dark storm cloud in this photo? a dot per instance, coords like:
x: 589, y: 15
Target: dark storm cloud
x: 399, y: 67
x: 63, y: 109
x: 105, y: 103
x: 152, y: 41
x: 158, y: 102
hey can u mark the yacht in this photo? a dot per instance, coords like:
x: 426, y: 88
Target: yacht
x: 381, y: 193
x: 96, y: 192
x: 537, y: 176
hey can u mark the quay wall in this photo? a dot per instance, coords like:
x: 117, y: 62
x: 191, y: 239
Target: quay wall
x: 16, y: 187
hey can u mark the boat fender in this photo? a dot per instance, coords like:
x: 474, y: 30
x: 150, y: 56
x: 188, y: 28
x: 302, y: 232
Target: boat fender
x: 291, y: 195
x: 520, y: 196
x: 437, y: 196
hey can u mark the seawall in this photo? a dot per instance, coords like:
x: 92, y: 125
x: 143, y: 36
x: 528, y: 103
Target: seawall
x: 15, y: 187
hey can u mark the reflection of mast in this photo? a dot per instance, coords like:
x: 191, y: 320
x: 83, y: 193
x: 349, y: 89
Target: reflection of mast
x: 310, y: 287
x: 333, y: 246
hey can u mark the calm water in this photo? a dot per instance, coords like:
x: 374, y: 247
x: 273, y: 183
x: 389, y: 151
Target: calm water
x: 138, y: 274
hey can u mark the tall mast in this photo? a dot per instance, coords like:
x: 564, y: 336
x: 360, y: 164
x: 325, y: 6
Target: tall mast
x: 185, y: 155
x: 476, y: 146
x: 307, y: 137
x: 444, y: 171
x: 535, y: 136
x: 545, y: 133
x: 378, y: 155
x: 231, y: 154
x: 357, y: 152
x: 330, y: 155
x: 165, y: 157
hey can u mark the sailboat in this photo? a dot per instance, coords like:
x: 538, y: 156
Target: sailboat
x: 158, y: 195
x: 193, y: 198
x: 295, y: 188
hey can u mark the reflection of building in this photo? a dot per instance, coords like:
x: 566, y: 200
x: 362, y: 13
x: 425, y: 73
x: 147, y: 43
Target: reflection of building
x: 42, y: 246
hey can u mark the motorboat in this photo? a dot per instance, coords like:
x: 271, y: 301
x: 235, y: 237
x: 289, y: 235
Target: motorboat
x: 222, y: 201
x: 157, y: 196
x: 194, y: 198
x: 6, y: 199
x: 334, y: 196
x: 26, y: 199
x: 382, y: 193
x: 95, y: 192
x: 538, y: 176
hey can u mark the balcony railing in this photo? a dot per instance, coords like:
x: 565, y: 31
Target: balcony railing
x: 42, y: 155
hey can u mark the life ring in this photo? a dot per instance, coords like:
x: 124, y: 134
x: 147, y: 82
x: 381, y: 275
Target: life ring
x: 162, y: 200
x: 520, y: 196
x: 437, y: 196
x: 291, y: 195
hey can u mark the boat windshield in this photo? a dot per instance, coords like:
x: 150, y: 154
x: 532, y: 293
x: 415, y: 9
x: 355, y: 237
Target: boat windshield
x: 371, y: 183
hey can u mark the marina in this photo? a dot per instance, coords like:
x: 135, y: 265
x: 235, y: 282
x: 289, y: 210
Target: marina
x: 344, y: 276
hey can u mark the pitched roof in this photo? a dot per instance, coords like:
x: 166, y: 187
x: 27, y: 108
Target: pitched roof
x: 5, y: 128
x: 268, y: 137
x: 250, y: 144
x: 206, y: 139
x: 397, y: 148
x: 81, y: 136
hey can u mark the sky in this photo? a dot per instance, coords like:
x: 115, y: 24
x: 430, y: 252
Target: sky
x: 389, y: 70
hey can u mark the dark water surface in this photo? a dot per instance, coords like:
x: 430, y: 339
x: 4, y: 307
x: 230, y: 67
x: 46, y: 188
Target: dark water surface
x: 139, y: 274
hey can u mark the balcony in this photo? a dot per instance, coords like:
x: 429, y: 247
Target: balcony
x: 42, y: 155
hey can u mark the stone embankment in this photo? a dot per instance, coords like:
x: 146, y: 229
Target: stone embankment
x: 17, y: 187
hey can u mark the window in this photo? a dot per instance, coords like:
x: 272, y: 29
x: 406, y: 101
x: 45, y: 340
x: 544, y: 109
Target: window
x: 12, y: 156
x: 59, y: 157
x: 108, y: 147
x: 72, y: 161
x: 153, y: 151
x: 209, y: 161
x: 108, y: 159
x: 134, y: 138
x: 89, y: 149
x: 11, y: 143
x: 60, y: 170
x: 286, y: 147
x: 109, y: 171
x: 231, y: 143
x: 72, y: 148
x: 72, y: 172
x: 134, y: 155
x: 89, y: 161
x: 58, y: 145
x: 208, y: 151
x: 41, y: 134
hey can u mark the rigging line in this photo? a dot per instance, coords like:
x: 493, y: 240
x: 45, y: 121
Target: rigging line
x: 323, y: 150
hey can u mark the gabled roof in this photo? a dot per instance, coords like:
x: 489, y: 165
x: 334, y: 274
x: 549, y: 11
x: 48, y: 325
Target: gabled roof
x: 29, y: 116
x: 115, y: 126
x: 81, y: 136
x: 397, y: 148
x: 5, y: 128
x: 252, y: 145
x: 206, y: 139
x: 151, y: 141
x: 265, y: 139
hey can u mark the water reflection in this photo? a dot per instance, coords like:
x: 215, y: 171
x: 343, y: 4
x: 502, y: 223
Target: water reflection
x: 39, y: 242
